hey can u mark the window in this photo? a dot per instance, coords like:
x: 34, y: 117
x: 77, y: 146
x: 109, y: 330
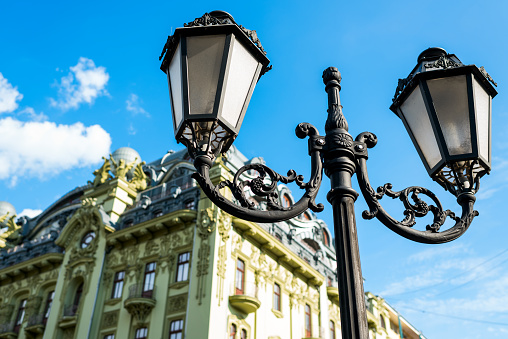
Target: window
x: 286, y: 200
x: 305, y: 216
x: 87, y: 239
x: 141, y: 333
x: 332, y: 330
x: 326, y: 238
x: 77, y: 299
x: 240, y: 276
x: 232, y: 332
x: 308, y: 325
x: 157, y: 214
x: 47, y: 308
x: 330, y: 281
x: 382, y: 321
x: 243, y: 334
x: 149, y: 280
x: 276, y: 297
x: 20, y: 316
x: 190, y: 205
x: 394, y: 327
x: 182, y: 270
x: 118, y: 285
x: 176, y: 329
x: 109, y: 336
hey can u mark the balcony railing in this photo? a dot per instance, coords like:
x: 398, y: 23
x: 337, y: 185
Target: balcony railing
x: 35, y: 320
x: 70, y: 310
x: 137, y: 291
x: 7, y: 327
x: 245, y: 299
x: 249, y: 289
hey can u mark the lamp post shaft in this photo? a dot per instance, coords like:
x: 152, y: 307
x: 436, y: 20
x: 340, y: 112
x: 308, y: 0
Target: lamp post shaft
x: 340, y: 167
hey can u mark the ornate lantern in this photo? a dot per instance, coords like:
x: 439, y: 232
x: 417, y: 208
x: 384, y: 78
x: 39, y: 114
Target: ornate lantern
x: 446, y: 109
x: 212, y: 65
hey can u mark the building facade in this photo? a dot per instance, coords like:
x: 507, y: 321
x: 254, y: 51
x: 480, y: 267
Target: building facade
x: 140, y: 252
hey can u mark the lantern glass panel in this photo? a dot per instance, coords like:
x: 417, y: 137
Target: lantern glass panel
x: 204, y: 59
x: 450, y: 99
x: 242, y: 70
x: 482, y: 107
x: 175, y: 82
x: 415, y: 113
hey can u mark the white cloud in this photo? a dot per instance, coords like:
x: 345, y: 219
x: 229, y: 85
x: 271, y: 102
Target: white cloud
x: 30, y: 112
x: 9, y: 96
x: 41, y: 149
x: 134, y: 106
x: 132, y: 130
x: 30, y: 213
x: 84, y: 83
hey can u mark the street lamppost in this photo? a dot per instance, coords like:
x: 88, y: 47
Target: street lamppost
x: 213, y: 65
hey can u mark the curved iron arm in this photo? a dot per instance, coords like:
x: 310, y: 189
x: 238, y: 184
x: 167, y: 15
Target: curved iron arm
x: 259, y: 187
x: 417, y: 208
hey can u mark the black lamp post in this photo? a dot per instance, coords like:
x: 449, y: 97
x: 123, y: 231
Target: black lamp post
x: 213, y: 65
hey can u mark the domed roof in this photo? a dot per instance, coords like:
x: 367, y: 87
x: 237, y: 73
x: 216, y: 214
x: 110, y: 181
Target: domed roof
x: 5, y: 208
x: 127, y: 154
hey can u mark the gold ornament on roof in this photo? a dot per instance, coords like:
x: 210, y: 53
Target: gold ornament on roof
x: 139, y: 179
x: 102, y: 174
x: 11, y: 236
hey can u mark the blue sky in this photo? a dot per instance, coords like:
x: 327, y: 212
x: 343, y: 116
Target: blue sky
x: 81, y: 79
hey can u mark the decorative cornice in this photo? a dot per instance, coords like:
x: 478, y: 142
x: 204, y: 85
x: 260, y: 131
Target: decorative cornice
x: 487, y: 75
x: 444, y: 62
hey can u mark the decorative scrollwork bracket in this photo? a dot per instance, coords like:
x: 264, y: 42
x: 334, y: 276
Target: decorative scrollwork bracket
x: 265, y: 185
x: 414, y: 206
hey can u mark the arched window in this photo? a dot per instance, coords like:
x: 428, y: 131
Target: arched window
x: 232, y: 331
x: 47, y: 308
x: 286, y: 200
x: 243, y: 334
x: 332, y: 330
x: 20, y: 316
x: 382, y: 321
x: 326, y: 238
x: 77, y: 299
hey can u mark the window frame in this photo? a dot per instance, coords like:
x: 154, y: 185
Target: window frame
x: 183, y: 265
x: 232, y: 331
x: 277, y: 297
x: 20, y: 315
x: 239, y: 291
x: 308, y: 321
x: 332, y: 330
x: 47, y: 308
x: 138, y: 331
x: 173, y: 334
x: 243, y: 334
x: 77, y: 298
x: 118, y: 282
x: 149, y: 277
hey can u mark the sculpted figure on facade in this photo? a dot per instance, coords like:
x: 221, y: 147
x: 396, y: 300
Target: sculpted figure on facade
x: 11, y: 236
x: 102, y: 174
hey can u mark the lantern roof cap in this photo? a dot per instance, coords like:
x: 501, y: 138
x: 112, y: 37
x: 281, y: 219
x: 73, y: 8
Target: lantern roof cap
x: 207, y: 23
x: 436, y: 62
x: 432, y: 53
